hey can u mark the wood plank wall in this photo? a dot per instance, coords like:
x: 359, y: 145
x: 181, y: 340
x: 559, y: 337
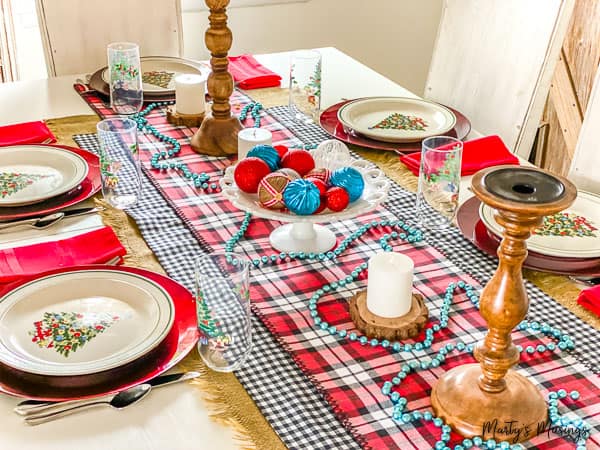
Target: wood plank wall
x: 570, y: 89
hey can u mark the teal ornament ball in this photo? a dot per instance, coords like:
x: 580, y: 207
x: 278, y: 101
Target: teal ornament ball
x: 268, y: 154
x: 302, y: 197
x: 350, y: 179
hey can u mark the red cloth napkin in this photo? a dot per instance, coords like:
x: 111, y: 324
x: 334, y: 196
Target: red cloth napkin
x: 26, y: 133
x: 248, y: 73
x: 477, y: 154
x: 590, y: 299
x: 94, y: 247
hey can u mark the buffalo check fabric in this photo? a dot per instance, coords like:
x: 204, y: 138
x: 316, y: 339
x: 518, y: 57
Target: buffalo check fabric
x: 348, y: 375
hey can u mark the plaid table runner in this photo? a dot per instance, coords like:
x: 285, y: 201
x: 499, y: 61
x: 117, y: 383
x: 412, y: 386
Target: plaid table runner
x: 348, y: 374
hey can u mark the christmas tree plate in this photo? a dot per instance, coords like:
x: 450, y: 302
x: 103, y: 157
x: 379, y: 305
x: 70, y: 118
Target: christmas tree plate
x: 396, y: 119
x: 179, y: 341
x: 32, y: 173
x: 82, y: 322
x: 572, y: 233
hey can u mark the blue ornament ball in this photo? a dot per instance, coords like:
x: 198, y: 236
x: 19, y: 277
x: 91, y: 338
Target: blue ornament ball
x: 268, y: 154
x: 302, y: 197
x: 350, y: 179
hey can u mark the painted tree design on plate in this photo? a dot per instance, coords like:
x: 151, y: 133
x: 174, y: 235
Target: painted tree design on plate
x: 397, y: 121
x: 13, y: 182
x: 66, y: 332
x: 158, y: 78
x: 566, y: 224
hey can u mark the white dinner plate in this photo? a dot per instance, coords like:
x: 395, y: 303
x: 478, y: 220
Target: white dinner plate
x: 572, y: 233
x: 159, y: 72
x: 396, y: 119
x: 82, y: 322
x: 31, y: 173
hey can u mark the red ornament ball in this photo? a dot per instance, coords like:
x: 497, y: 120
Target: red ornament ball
x: 322, y: 206
x: 248, y: 173
x: 299, y: 160
x: 319, y: 184
x: 281, y: 149
x: 270, y: 190
x: 321, y: 173
x: 337, y: 199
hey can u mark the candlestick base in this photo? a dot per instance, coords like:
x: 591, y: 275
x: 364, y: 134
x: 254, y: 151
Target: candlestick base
x: 516, y: 414
x: 392, y: 329
x: 188, y: 120
x: 217, y: 137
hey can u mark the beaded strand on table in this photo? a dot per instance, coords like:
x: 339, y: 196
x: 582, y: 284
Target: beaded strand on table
x: 412, y: 235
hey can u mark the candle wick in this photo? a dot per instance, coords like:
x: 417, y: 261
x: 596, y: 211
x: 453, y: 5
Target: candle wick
x: 254, y: 132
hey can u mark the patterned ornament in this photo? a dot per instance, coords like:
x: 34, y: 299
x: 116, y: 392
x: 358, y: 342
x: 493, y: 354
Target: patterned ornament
x: 65, y: 332
x: 268, y: 154
x: 248, y: 173
x: 13, y: 182
x: 397, y: 121
x: 290, y: 173
x: 331, y: 154
x: 350, y: 179
x: 337, y: 198
x: 281, y: 149
x: 302, y: 197
x: 319, y: 184
x: 321, y: 173
x: 299, y: 160
x: 270, y: 190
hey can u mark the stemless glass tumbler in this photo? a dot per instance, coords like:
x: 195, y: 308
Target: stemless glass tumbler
x: 119, y: 162
x: 223, y: 309
x: 305, y: 85
x: 126, y: 94
x: 439, y: 181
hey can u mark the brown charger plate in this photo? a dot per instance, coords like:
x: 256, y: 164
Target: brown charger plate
x: 471, y: 226
x: 330, y: 123
x: 179, y: 341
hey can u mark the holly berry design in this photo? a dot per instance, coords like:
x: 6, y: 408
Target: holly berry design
x: 13, y: 182
x: 397, y: 121
x: 210, y: 332
x: 566, y: 224
x: 158, y: 78
x: 66, y: 332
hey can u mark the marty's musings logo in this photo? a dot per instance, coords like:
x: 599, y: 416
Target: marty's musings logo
x: 512, y: 431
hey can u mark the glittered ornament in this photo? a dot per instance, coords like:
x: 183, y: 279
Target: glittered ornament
x: 299, y: 160
x: 321, y: 173
x: 268, y: 154
x: 302, y: 197
x: 248, y: 173
x: 281, y: 149
x: 270, y: 190
x: 350, y: 179
x: 337, y: 198
x: 290, y: 173
x: 322, y: 206
x: 319, y: 184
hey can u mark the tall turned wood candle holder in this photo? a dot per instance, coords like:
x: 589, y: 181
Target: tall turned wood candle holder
x: 473, y: 395
x: 217, y: 136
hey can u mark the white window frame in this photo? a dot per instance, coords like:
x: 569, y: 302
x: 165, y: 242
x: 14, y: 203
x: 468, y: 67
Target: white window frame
x: 199, y: 5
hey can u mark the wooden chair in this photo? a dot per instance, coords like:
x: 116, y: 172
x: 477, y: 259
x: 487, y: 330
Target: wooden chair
x: 584, y: 167
x: 493, y: 61
x: 75, y: 33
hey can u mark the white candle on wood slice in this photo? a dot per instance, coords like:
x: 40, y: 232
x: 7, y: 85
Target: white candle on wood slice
x: 248, y: 138
x: 189, y: 93
x: 389, y: 285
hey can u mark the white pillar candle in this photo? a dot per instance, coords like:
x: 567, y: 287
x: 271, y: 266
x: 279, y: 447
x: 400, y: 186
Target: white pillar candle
x: 389, y: 286
x: 249, y: 138
x: 189, y: 93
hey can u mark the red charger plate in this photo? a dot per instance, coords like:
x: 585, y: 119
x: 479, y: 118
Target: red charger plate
x: 330, y: 123
x: 179, y: 341
x: 475, y: 230
x: 89, y: 186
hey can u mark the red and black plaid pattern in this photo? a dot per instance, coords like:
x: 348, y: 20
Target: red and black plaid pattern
x: 348, y: 374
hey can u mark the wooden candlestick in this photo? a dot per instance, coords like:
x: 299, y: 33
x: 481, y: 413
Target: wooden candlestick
x: 217, y: 136
x: 188, y: 120
x: 473, y: 395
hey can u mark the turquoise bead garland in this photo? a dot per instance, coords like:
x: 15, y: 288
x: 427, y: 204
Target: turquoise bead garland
x: 400, y: 415
x: 200, y: 180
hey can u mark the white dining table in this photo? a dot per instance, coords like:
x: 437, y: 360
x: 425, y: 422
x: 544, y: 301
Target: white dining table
x: 175, y: 417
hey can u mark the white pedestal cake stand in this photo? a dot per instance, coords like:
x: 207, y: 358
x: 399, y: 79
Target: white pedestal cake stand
x: 301, y: 233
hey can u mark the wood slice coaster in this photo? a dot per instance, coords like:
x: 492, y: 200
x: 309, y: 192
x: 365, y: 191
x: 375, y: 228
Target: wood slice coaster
x: 394, y: 329
x: 188, y: 120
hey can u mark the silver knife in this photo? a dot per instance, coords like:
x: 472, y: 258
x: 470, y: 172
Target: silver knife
x: 54, y: 217
x: 29, y: 407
